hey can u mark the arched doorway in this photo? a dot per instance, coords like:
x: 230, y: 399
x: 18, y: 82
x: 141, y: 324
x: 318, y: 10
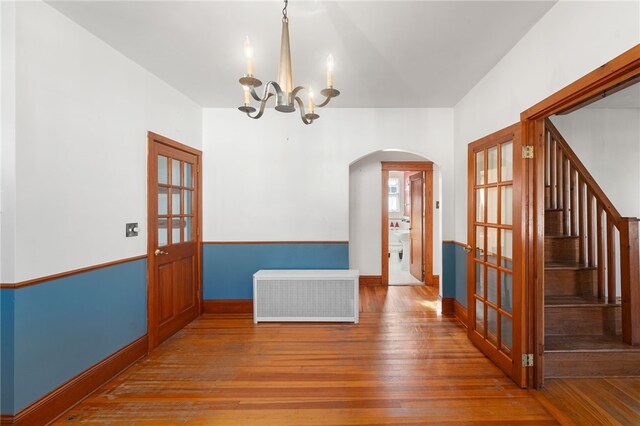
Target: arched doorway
x: 365, y: 216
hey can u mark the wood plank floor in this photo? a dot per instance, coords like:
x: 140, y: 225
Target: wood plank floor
x: 403, y: 364
x: 610, y: 401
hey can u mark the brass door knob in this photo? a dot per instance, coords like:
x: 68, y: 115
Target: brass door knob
x: 158, y: 252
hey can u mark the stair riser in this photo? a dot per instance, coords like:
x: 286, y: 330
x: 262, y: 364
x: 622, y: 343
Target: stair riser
x: 561, y: 250
x: 591, y: 364
x: 600, y: 320
x: 547, y: 197
x: 570, y: 282
x: 553, y: 222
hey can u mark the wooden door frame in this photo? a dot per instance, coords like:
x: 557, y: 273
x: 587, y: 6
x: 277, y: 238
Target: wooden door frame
x: 519, y: 335
x: 427, y: 226
x: 152, y: 210
x: 611, y: 76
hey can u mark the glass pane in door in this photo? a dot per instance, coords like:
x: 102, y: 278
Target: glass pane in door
x: 493, y: 222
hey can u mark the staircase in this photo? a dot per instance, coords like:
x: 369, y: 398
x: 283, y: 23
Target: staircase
x: 591, y: 283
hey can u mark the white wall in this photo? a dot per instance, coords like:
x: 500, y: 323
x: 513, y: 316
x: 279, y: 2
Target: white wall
x: 365, y: 201
x: 7, y: 137
x: 607, y: 141
x: 82, y: 115
x: 291, y: 181
x: 571, y: 40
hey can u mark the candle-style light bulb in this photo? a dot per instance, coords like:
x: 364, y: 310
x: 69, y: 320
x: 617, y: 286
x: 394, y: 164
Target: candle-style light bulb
x: 248, y: 53
x: 247, y: 96
x: 330, y: 65
x: 312, y: 104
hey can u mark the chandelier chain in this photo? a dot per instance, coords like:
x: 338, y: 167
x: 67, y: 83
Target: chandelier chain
x: 284, y: 10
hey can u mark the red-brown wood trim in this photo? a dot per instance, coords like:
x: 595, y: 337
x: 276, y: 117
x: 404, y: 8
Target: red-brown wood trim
x: 275, y: 242
x: 447, y: 305
x: 57, y: 402
x: 614, y: 72
x: 72, y: 272
x: 384, y: 225
x: 630, y: 267
x: 458, y: 243
x: 435, y: 281
x: 407, y: 166
x: 227, y: 306
x: 460, y: 312
x: 426, y: 167
x: 370, y: 280
x: 173, y: 144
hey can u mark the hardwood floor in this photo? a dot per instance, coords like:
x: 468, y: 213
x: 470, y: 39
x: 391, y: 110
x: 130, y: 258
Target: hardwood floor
x: 611, y: 401
x: 403, y: 364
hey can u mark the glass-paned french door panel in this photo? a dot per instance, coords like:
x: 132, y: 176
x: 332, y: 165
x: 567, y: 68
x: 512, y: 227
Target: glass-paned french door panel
x: 175, y: 201
x: 493, y: 215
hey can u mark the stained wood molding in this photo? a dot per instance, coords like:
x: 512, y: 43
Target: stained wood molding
x: 69, y: 273
x: 460, y: 312
x: 447, y: 305
x: 227, y: 306
x: 275, y: 242
x: 408, y: 166
x: 458, y: 243
x: 57, y: 402
x: 370, y: 280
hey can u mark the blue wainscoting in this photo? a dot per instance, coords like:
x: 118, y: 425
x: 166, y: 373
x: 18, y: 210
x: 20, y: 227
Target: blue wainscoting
x: 454, y: 271
x: 448, y: 270
x: 64, y: 326
x: 227, y: 269
x: 7, y: 304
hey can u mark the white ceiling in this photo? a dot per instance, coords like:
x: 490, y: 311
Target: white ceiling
x: 387, y: 53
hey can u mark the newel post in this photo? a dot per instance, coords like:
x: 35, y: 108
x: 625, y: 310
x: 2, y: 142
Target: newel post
x: 630, y: 280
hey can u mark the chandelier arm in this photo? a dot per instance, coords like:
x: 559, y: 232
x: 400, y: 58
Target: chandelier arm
x: 266, y: 93
x: 295, y: 91
x: 262, y: 105
x: 325, y: 102
x: 299, y: 88
x: 302, y: 112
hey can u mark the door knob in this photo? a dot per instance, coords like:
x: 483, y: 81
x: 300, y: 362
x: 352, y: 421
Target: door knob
x: 158, y: 252
x: 468, y: 248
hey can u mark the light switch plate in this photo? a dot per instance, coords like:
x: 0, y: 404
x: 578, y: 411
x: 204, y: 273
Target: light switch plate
x: 132, y: 229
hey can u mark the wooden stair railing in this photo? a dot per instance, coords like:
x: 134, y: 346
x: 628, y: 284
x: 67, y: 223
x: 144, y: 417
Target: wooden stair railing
x: 605, y: 238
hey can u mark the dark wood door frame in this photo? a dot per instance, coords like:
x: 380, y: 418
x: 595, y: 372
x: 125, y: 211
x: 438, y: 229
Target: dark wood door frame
x: 152, y: 209
x: 426, y: 167
x: 612, y: 76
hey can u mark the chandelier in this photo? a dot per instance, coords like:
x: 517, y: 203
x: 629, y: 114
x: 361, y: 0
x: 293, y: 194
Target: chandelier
x: 284, y: 91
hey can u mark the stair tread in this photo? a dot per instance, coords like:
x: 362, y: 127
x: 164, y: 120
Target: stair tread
x: 576, y: 301
x: 589, y: 343
x: 566, y: 265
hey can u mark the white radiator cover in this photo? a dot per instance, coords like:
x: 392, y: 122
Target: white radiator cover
x: 306, y: 295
